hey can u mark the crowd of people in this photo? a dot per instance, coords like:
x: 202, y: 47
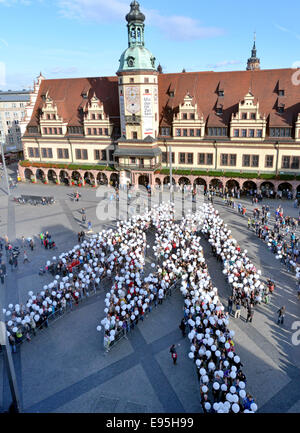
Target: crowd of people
x: 120, y: 255
x: 247, y: 288
x: 281, y: 237
x: 180, y: 257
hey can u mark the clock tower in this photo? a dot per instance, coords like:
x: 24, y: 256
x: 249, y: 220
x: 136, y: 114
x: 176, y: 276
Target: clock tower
x: 138, y: 82
x: 138, y: 154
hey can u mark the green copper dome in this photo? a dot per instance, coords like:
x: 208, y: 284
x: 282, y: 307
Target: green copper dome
x: 135, y: 58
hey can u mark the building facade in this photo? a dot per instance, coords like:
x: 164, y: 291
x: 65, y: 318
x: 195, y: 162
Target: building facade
x: 225, y: 129
x: 12, y: 112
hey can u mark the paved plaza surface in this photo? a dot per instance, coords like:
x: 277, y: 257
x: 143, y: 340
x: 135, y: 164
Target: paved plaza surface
x: 65, y: 369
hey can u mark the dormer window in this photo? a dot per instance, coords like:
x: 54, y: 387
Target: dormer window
x: 253, y: 116
x: 184, y: 116
x: 171, y: 94
x: 192, y: 116
x: 244, y: 116
x: 281, y: 92
x: 280, y: 109
x: 219, y: 111
x: 221, y: 93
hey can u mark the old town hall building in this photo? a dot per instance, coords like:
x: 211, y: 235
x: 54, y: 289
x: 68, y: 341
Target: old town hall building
x: 220, y: 128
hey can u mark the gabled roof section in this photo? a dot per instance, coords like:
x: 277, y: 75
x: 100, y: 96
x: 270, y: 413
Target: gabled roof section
x: 68, y: 93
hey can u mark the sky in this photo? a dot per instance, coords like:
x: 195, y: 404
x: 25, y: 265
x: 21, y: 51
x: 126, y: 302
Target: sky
x: 85, y: 38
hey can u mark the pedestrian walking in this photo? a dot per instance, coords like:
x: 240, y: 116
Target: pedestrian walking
x: 25, y: 257
x: 31, y: 244
x: 2, y: 275
x: 237, y: 309
x: 281, y: 314
x: 230, y: 304
x: 173, y: 353
x: 182, y: 327
x: 89, y: 226
x: 250, y: 314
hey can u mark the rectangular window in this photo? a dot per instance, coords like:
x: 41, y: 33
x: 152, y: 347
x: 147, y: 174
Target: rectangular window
x: 185, y: 132
x: 244, y: 132
x: 111, y: 155
x: 192, y: 133
x: 100, y: 131
x: 201, y: 158
x: 89, y: 131
x: 95, y: 131
x: 164, y: 157
x: 178, y: 132
x: 259, y: 133
x: 132, y: 160
x: 236, y: 133
x: 103, y: 155
x: 286, y: 161
x: 246, y: 160
x: 78, y: 153
x: 209, y: 159
x: 134, y: 135
x: 253, y: 116
x: 288, y: 132
x: 269, y: 161
x: 60, y: 131
x: 66, y: 153
x: 192, y: 116
x: 97, y: 154
x: 146, y: 80
x: 198, y: 132
x: 251, y: 133
x: 30, y: 152
x: 255, y: 160
x: 190, y: 158
x: 165, y: 131
x: 281, y: 92
x: 244, y: 116
x: 233, y: 160
x: 295, y: 163
x: 36, y: 152
x: 224, y: 159
x: 182, y: 158
x: 55, y: 131
x: 60, y: 153
x: 44, y: 152
x: 184, y: 116
x: 50, y: 130
x: 84, y: 154
x: 106, y: 131
x: 132, y: 80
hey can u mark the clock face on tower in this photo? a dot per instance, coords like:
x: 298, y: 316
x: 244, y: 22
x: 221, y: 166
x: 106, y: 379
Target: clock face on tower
x: 132, y: 97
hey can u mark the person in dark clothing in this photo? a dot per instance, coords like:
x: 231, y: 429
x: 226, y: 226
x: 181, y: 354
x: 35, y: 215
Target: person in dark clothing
x: 281, y: 314
x: 230, y: 304
x: 250, y: 313
x: 182, y: 327
x: 173, y: 353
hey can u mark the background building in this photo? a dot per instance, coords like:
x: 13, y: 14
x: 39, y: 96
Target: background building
x: 12, y: 111
x: 227, y: 129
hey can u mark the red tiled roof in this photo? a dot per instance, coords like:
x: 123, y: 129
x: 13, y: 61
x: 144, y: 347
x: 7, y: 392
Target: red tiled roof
x: 67, y: 95
x: 202, y: 86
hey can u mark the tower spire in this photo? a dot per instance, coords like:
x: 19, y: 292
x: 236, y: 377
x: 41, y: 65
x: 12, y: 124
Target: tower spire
x: 253, y: 63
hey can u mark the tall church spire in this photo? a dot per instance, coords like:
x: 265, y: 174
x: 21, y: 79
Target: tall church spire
x: 253, y: 63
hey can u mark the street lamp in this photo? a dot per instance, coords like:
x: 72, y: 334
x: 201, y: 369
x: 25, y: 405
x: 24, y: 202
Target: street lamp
x: 171, y: 173
x: 4, y: 163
